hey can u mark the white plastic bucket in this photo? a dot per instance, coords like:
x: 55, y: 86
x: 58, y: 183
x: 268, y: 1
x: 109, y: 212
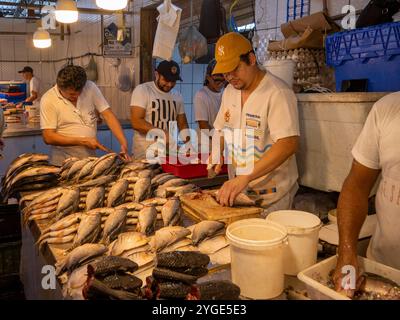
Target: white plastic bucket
x: 283, y: 69
x: 257, y: 257
x: 303, y: 230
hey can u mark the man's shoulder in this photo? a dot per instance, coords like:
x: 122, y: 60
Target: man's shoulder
x: 49, y: 95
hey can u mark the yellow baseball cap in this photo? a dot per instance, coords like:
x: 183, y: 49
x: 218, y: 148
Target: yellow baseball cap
x: 228, y: 50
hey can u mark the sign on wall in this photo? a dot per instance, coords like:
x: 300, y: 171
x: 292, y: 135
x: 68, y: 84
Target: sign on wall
x: 117, y: 42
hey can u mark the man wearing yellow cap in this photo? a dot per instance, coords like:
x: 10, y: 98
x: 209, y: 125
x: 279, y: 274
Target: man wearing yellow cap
x: 264, y: 111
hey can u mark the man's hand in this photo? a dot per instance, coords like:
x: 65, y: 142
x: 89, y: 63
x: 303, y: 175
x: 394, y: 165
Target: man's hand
x: 342, y: 278
x: 125, y: 153
x: 93, y: 144
x: 231, y: 189
x: 19, y: 105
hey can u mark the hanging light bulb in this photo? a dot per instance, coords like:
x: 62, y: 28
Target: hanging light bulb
x: 112, y: 4
x: 41, y: 38
x: 66, y: 11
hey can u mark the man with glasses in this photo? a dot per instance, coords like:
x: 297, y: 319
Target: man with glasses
x: 68, y: 117
x: 264, y: 111
x: 155, y: 106
x: 208, y: 99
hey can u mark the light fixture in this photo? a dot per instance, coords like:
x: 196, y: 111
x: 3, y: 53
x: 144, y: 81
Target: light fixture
x: 41, y: 38
x: 112, y: 4
x: 66, y: 11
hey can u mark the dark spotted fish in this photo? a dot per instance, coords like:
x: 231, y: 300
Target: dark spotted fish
x: 182, y: 259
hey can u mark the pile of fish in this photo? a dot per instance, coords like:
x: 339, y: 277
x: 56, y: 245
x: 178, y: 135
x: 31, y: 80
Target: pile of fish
x: 176, y: 274
x: 373, y: 287
x: 28, y: 172
x: 111, y: 278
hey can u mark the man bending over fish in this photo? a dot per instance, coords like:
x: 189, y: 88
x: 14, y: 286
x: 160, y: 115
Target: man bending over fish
x: 68, y: 117
x: 377, y: 151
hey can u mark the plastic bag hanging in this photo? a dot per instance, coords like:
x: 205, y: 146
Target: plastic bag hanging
x: 167, y: 30
x: 91, y: 70
x: 192, y: 45
x: 124, y: 81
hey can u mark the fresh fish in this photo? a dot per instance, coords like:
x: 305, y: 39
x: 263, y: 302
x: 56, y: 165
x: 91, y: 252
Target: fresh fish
x: 96, y: 289
x: 117, y: 193
x: 74, y: 283
x: 215, y: 290
x: 204, y: 229
x: 241, y: 200
x: 32, y: 172
x: 212, y: 245
x: 77, y: 167
x: 80, y: 255
x: 178, y: 259
x: 111, y: 264
x: 22, y: 160
x: 97, y: 182
x: 103, y: 164
x: 174, y: 183
x: 146, y: 174
x: 88, y: 230
x: 31, y: 209
x: 128, y: 253
x: 131, y: 206
x: 68, y: 203
x: 95, y: 198
x: 155, y: 201
x: 85, y: 171
x: 114, y: 225
x: 57, y: 234
x: 177, y: 246
x: 127, y: 241
x: 61, y: 240
x: 142, y: 189
x: 64, y: 223
x: 147, y: 220
x: 171, y: 290
x: 143, y: 259
x: 167, y: 236
x: 375, y: 287
x: 179, y: 191
x: 163, y: 178
x: 125, y: 282
x: 171, y: 212
x: 163, y: 274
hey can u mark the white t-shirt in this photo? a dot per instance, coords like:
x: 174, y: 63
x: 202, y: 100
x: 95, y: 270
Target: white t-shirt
x: 34, y: 85
x: 269, y: 114
x: 378, y: 147
x: 206, y: 105
x: 58, y: 113
x: 161, y: 108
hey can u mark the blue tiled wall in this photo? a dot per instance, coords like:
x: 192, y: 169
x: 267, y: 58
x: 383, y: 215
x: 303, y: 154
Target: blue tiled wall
x: 193, y: 77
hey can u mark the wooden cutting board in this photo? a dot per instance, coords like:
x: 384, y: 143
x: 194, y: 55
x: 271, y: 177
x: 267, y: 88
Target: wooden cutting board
x: 206, y: 208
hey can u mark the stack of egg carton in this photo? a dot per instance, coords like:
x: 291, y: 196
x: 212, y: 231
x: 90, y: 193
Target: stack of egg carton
x: 311, y: 69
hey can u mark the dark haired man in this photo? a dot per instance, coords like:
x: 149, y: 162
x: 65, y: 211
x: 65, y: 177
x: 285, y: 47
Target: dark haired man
x: 34, y: 86
x: 264, y: 110
x: 68, y: 117
x: 208, y: 99
x: 155, y: 106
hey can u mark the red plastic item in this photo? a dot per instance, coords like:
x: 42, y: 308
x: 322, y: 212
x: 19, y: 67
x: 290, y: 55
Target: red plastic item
x: 188, y: 171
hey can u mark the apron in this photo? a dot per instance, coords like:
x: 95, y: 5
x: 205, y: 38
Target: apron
x: 59, y: 154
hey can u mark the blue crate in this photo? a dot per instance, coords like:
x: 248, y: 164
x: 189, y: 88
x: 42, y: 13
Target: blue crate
x: 371, y: 53
x: 13, y: 97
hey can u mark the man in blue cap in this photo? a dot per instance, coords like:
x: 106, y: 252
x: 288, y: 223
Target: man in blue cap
x: 154, y: 106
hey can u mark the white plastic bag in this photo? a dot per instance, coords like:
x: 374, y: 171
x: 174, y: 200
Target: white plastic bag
x: 91, y: 70
x: 125, y: 78
x: 167, y: 30
x: 192, y: 45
